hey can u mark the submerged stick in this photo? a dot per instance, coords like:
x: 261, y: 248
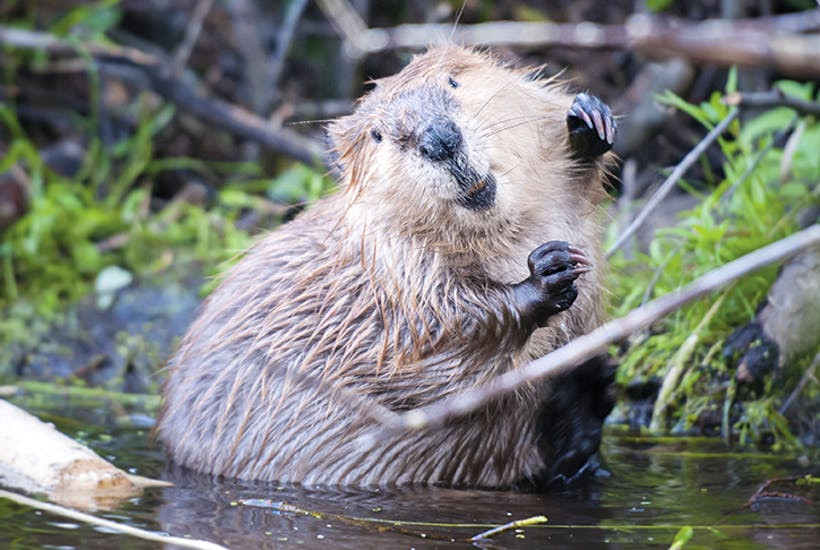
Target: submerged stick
x: 597, y: 341
x: 148, y: 401
x: 534, y: 520
x: 108, y: 524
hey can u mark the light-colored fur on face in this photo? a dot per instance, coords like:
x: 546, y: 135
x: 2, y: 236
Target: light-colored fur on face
x: 392, y: 291
x: 514, y: 127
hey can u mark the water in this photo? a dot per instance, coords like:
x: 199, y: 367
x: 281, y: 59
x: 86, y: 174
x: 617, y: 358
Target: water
x: 654, y: 487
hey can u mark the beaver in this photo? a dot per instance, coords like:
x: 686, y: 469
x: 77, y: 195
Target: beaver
x: 463, y: 243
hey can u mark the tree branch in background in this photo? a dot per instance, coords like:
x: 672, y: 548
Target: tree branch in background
x: 192, y: 31
x: 772, y: 98
x: 358, y: 38
x: 597, y: 341
x: 284, y: 38
x: 761, y: 42
x: 217, y: 112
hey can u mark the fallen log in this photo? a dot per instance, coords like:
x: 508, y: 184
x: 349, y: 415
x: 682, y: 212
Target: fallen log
x: 35, y: 457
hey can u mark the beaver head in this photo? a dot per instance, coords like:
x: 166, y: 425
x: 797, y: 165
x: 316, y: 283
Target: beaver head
x: 457, y: 144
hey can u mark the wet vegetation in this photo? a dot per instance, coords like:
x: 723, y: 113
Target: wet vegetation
x: 755, y: 196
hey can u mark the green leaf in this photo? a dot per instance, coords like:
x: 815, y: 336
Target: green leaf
x: 86, y: 257
x: 799, y: 90
x: 90, y: 20
x: 669, y: 98
x: 658, y: 5
x: 765, y: 123
x: 731, y: 80
x: 794, y: 190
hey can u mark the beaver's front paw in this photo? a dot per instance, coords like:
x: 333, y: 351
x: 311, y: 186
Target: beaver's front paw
x: 591, y: 127
x: 554, y: 266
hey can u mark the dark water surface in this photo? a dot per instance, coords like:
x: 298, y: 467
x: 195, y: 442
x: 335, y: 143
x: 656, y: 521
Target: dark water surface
x: 654, y: 488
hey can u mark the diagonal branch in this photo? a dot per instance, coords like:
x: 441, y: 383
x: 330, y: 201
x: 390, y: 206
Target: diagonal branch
x: 669, y: 184
x: 597, y: 341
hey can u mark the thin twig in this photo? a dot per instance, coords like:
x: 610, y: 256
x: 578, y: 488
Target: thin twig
x: 192, y: 30
x: 672, y: 180
x: 222, y: 114
x: 484, y: 535
x: 597, y: 341
x: 763, y: 492
x: 656, y: 276
x: 772, y: 98
x: 808, y: 375
x: 284, y: 38
x: 108, y: 524
x: 347, y: 22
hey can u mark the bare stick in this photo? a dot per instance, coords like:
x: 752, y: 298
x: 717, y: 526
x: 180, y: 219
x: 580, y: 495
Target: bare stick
x: 484, y: 535
x: 35, y: 457
x: 772, y: 98
x: 108, y: 524
x: 347, y: 22
x: 597, y: 341
x: 808, y: 375
x: 765, y: 41
x: 191, y: 35
x: 673, y: 178
x: 285, y: 37
x: 222, y: 114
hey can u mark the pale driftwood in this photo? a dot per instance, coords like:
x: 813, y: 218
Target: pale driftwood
x: 597, y: 341
x: 108, y: 524
x: 37, y: 458
x: 760, y: 42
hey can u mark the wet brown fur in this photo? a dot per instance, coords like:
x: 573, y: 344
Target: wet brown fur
x: 390, y: 291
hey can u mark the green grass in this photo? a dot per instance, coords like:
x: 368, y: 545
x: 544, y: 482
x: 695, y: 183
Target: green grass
x: 747, y: 207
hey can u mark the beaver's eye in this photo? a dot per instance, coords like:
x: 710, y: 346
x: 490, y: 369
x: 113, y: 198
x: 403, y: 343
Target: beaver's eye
x: 452, y: 82
x: 376, y: 135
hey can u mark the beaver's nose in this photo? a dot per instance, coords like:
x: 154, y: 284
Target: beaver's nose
x: 440, y: 140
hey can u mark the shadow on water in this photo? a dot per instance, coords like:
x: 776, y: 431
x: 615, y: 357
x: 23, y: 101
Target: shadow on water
x: 654, y: 487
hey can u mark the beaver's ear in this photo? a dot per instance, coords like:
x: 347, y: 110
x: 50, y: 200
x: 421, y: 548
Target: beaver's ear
x: 347, y: 137
x: 340, y: 134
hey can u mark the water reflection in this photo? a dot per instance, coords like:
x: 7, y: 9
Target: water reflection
x: 654, y: 487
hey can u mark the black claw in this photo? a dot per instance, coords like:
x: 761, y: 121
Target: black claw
x: 591, y: 127
x: 554, y: 267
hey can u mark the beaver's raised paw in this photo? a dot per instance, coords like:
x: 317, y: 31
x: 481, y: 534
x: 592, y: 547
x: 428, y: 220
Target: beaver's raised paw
x: 554, y: 266
x: 591, y: 127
